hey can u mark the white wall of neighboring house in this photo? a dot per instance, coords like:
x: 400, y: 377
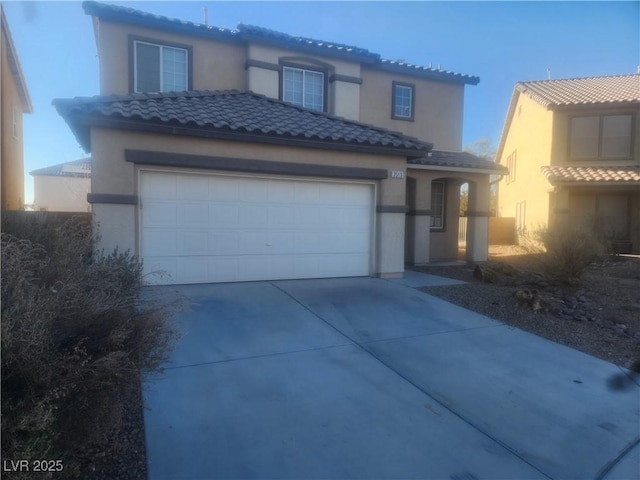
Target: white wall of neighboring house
x: 61, y: 193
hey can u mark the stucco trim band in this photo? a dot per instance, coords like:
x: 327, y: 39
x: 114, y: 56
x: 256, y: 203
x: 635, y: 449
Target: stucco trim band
x: 145, y: 157
x: 112, y: 198
x: 264, y: 65
x: 392, y: 209
x: 336, y: 77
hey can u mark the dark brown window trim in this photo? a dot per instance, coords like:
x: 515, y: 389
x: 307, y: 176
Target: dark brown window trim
x: 336, y: 77
x: 145, y: 157
x: 392, y: 209
x: 312, y: 65
x: 112, y: 198
x: 395, y: 84
x: 155, y: 41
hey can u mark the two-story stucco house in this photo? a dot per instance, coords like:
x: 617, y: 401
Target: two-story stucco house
x: 248, y: 154
x: 572, y: 147
x: 14, y: 103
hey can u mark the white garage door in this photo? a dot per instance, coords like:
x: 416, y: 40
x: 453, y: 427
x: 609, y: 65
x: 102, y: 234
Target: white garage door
x: 215, y: 228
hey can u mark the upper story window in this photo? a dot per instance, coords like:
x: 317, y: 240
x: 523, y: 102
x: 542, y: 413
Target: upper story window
x: 600, y: 137
x: 403, y: 101
x: 303, y: 87
x: 14, y: 124
x: 160, y: 68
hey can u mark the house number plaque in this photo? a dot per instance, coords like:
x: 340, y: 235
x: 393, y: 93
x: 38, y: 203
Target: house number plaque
x: 397, y: 174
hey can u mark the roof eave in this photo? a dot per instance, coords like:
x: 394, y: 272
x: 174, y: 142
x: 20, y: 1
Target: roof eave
x: 438, y: 75
x: 15, y: 67
x: 490, y: 171
x: 82, y: 124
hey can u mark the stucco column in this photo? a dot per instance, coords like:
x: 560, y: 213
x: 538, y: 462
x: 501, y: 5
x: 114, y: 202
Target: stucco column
x: 478, y: 221
x: 420, y: 219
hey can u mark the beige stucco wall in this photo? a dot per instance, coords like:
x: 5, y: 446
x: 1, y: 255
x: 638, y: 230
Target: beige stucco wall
x: 529, y: 136
x: 61, y: 194
x: 215, y: 65
x: 12, y: 170
x: 343, y: 98
x: 111, y: 174
x: 438, y: 108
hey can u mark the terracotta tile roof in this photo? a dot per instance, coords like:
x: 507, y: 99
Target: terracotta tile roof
x: 252, y: 33
x: 232, y: 115
x: 584, y: 91
x: 599, y: 175
x: 440, y: 158
x: 76, y: 168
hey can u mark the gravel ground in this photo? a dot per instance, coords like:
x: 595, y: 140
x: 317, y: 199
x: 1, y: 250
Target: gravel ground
x: 599, y: 316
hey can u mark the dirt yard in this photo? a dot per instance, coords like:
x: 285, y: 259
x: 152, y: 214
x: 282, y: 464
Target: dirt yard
x: 599, y: 316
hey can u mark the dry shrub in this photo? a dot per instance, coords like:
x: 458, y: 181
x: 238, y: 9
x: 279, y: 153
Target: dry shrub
x: 564, y: 252
x: 75, y: 337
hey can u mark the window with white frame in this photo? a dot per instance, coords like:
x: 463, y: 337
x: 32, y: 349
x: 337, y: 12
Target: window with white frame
x: 402, y: 101
x: 303, y: 87
x: 160, y: 68
x: 437, y: 205
x: 600, y: 137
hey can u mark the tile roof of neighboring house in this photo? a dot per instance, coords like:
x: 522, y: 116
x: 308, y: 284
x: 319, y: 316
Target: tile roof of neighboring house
x: 592, y: 175
x: 584, y: 91
x: 463, y: 160
x: 245, y: 33
x: 76, y: 168
x: 14, y: 65
x: 232, y: 115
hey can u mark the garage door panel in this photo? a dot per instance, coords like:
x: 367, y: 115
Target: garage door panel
x: 160, y: 214
x: 225, y: 243
x: 224, y: 190
x: 195, y: 243
x: 192, y: 187
x: 224, y: 215
x: 220, y: 228
x: 160, y: 186
x: 254, y: 216
x: 158, y: 243
x: 193, y: 215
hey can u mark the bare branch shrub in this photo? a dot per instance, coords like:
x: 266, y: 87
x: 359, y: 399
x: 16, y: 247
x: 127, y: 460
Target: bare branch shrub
x: 565, y: 251
x: 75, y: 336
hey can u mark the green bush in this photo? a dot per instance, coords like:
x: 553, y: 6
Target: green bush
x: 75, y: 336
x: 566, y: 251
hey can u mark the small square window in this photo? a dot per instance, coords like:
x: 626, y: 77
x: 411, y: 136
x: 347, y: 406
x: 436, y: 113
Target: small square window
x: 403, y: 101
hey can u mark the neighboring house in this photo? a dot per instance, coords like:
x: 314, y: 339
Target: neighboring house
x: 258, y: 155
x: 63, y: 187
x: 15, y: 101
x: 572, y: 147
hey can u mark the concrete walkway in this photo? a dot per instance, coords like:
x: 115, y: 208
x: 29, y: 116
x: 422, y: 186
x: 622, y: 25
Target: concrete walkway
x: 365, y: 378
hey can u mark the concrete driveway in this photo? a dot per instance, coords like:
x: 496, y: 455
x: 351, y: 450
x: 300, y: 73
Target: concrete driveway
x: 372, y: 379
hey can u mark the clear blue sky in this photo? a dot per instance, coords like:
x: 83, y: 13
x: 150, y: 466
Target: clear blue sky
x: 501, y: 42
